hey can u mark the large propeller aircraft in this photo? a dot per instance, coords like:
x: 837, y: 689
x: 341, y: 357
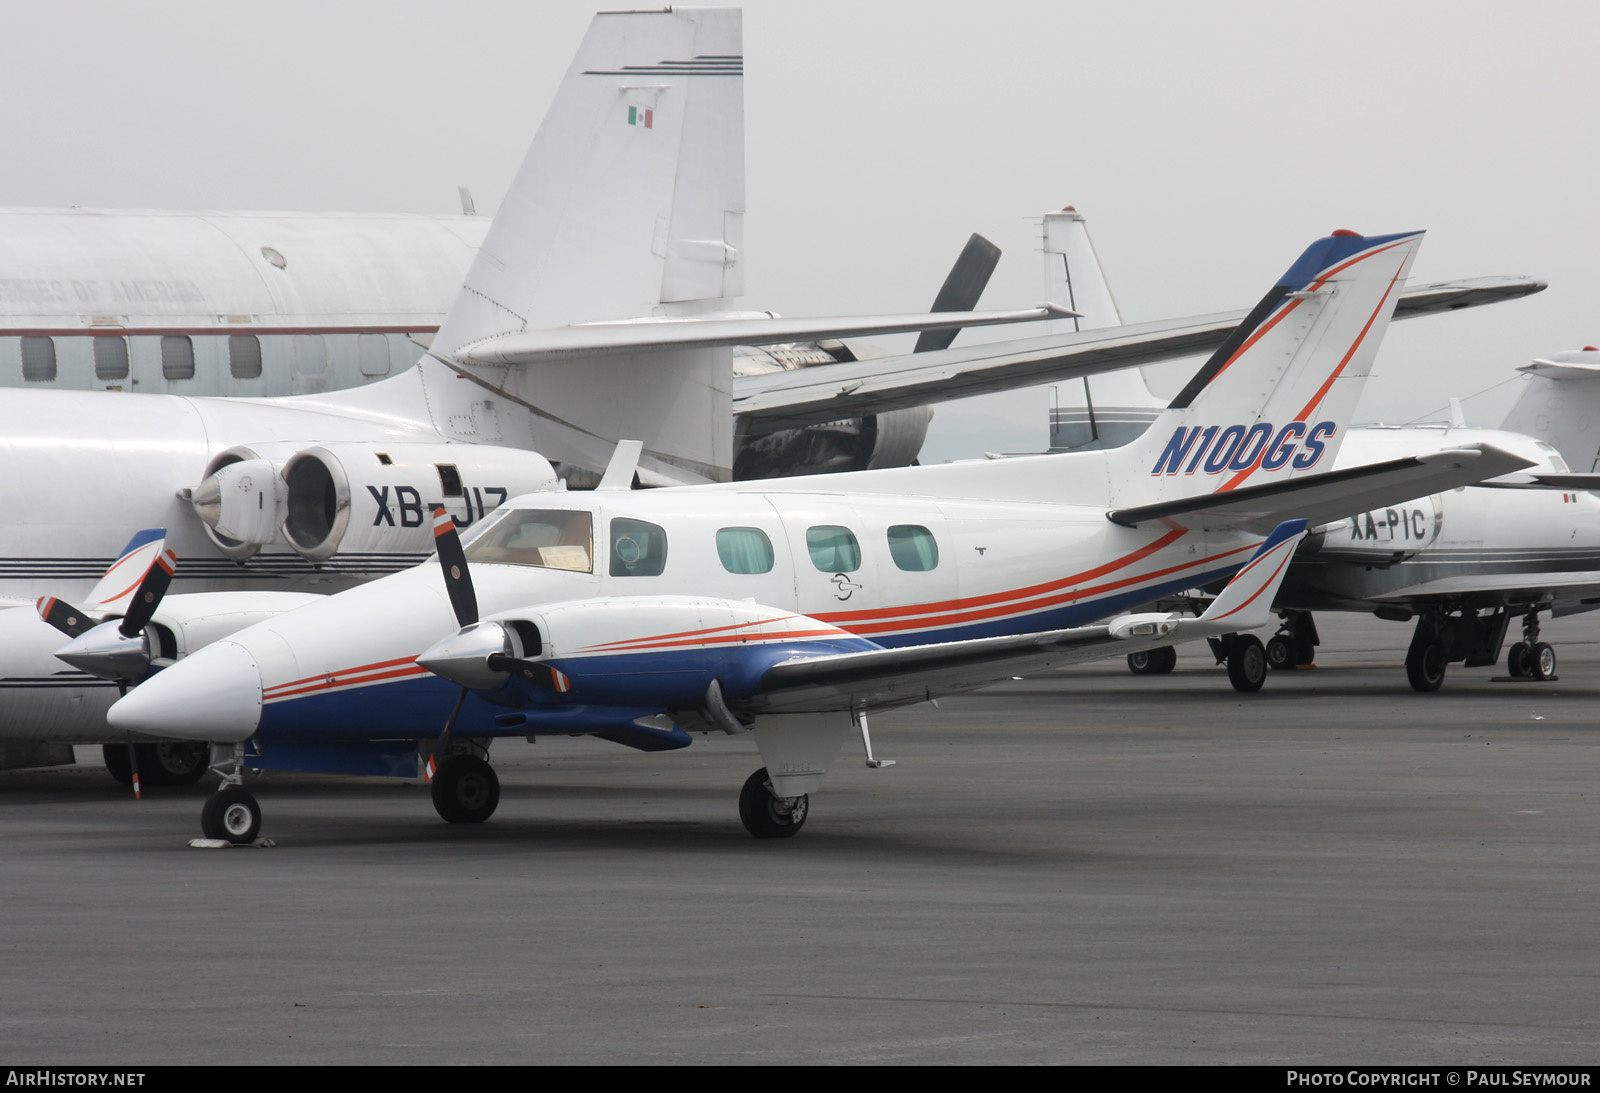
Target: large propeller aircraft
x: 793, y: 607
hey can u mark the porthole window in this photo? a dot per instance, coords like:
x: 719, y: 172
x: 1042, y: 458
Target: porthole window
x: 39, y: 360
x: 177, y: 357
x: 638, y: 548
x: 244, y: 356
x: 833, y: 549
x: 912, y: 548
x: 110, y: 358
x: 744, y: 550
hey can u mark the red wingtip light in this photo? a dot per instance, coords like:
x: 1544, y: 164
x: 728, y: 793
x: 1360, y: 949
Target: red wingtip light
x: 1590, y: 349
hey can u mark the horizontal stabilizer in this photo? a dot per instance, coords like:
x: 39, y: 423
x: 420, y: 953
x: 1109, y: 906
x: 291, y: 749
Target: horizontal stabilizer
x: 812, y: 395
x: 654, y: 335
x: 1322, y: 497
x: 891, y: 677
x: 1563, y: 482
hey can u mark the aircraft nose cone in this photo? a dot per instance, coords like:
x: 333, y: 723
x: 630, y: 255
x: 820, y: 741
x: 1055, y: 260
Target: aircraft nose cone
x: 214, y: 695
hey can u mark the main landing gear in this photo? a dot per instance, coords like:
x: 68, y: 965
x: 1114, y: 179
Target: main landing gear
x: 1153, y: 662
x: 174, y: 764
x: 1443, y: 637
x: 1295, y: 643
x: 231, y: 814
x: 465, y: 789
x: 765, y: 814
x: 1531, y: 658
x: 1245, y: 658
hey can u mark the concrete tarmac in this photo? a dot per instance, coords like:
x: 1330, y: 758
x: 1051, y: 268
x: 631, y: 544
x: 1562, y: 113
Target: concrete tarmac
x: 1083, y: 867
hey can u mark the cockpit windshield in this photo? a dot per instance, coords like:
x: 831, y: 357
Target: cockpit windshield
x: 549, y: 538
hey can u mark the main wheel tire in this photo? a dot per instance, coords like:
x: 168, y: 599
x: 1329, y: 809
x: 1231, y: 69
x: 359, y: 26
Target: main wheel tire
x: 1517, y: 660
x: 231, y: 814
x: 1140, y: 663
x: 173, y: 764
x: 1247, y: 663
x: 1305, y: 652
x: 1542, y: 661
x: 1425, y: 665
x: 767, y: 816
x: 1280, y: 653
x: 1163, y: 660
x: 466, y: 790
x: 118, y: 764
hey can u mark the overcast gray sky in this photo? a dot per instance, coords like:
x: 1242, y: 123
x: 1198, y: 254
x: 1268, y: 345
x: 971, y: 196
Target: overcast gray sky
x: 1207, y: 144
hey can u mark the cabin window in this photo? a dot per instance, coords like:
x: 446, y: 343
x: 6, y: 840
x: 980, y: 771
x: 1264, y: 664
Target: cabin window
x: 744, y: 550
x: 177, y: 357
x: 244, y: 356
x: 110, y: 358
x: 833, y: 549
x: 912, y: 548
x: 548, y: 538
x: 39, y: 360
x: 373, y: 350
x: 638, y: 548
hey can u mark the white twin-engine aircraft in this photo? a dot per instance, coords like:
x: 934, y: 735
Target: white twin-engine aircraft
x: 795, y: 607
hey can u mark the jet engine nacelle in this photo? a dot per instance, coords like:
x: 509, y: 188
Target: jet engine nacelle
x: 1380, y: 537
x: 356, y: 498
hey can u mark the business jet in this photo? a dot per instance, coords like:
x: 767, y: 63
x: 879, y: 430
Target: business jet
x: 793, y: 607
x: 1464, y: 564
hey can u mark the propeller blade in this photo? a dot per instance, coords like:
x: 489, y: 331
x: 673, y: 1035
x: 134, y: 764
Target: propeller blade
x: 63, y: 616
x: 536, y: 672
x: 148, y: 598
x: 961, y: 289
x: 453, y: 560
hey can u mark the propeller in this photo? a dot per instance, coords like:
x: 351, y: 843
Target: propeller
x: 118, y: 649
x: 476, y: 655
x: 961, y: 289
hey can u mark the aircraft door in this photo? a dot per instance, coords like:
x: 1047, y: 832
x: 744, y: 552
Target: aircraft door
x: 836, y: 561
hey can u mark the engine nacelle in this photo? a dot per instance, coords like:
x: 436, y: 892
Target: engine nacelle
x: 1380, y: 537
x: 356, y: 498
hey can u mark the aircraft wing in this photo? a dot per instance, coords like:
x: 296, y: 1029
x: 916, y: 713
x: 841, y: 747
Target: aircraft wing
x: 590, y: 340
x: 1323, y: 497
x: 810, y: 395
x: 1483, y: 589
x: 894, y: 677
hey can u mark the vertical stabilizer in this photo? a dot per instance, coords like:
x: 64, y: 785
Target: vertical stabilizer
x: 1275, y: 400
x: 1560, y: 405
x: 1111, y: 409
x: 630, y: 204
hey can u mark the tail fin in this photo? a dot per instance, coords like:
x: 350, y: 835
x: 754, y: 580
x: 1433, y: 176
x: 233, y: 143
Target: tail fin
x: 1111, y: 409
x: 629, y: 204
x: 1560, y: 405
x: 1274, y: 401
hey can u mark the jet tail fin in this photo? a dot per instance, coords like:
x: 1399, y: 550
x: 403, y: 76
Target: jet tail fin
x: 1560, y: 405
x: 1274, y: 401
x: 629, y: 204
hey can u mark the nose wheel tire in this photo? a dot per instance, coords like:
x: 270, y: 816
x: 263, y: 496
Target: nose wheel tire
x: 1247, y: 663
x: 466, y: 790
x: 767, y: 816
x: 1541, y: 661
x: 1517, y: 660
x: 232, y: 815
